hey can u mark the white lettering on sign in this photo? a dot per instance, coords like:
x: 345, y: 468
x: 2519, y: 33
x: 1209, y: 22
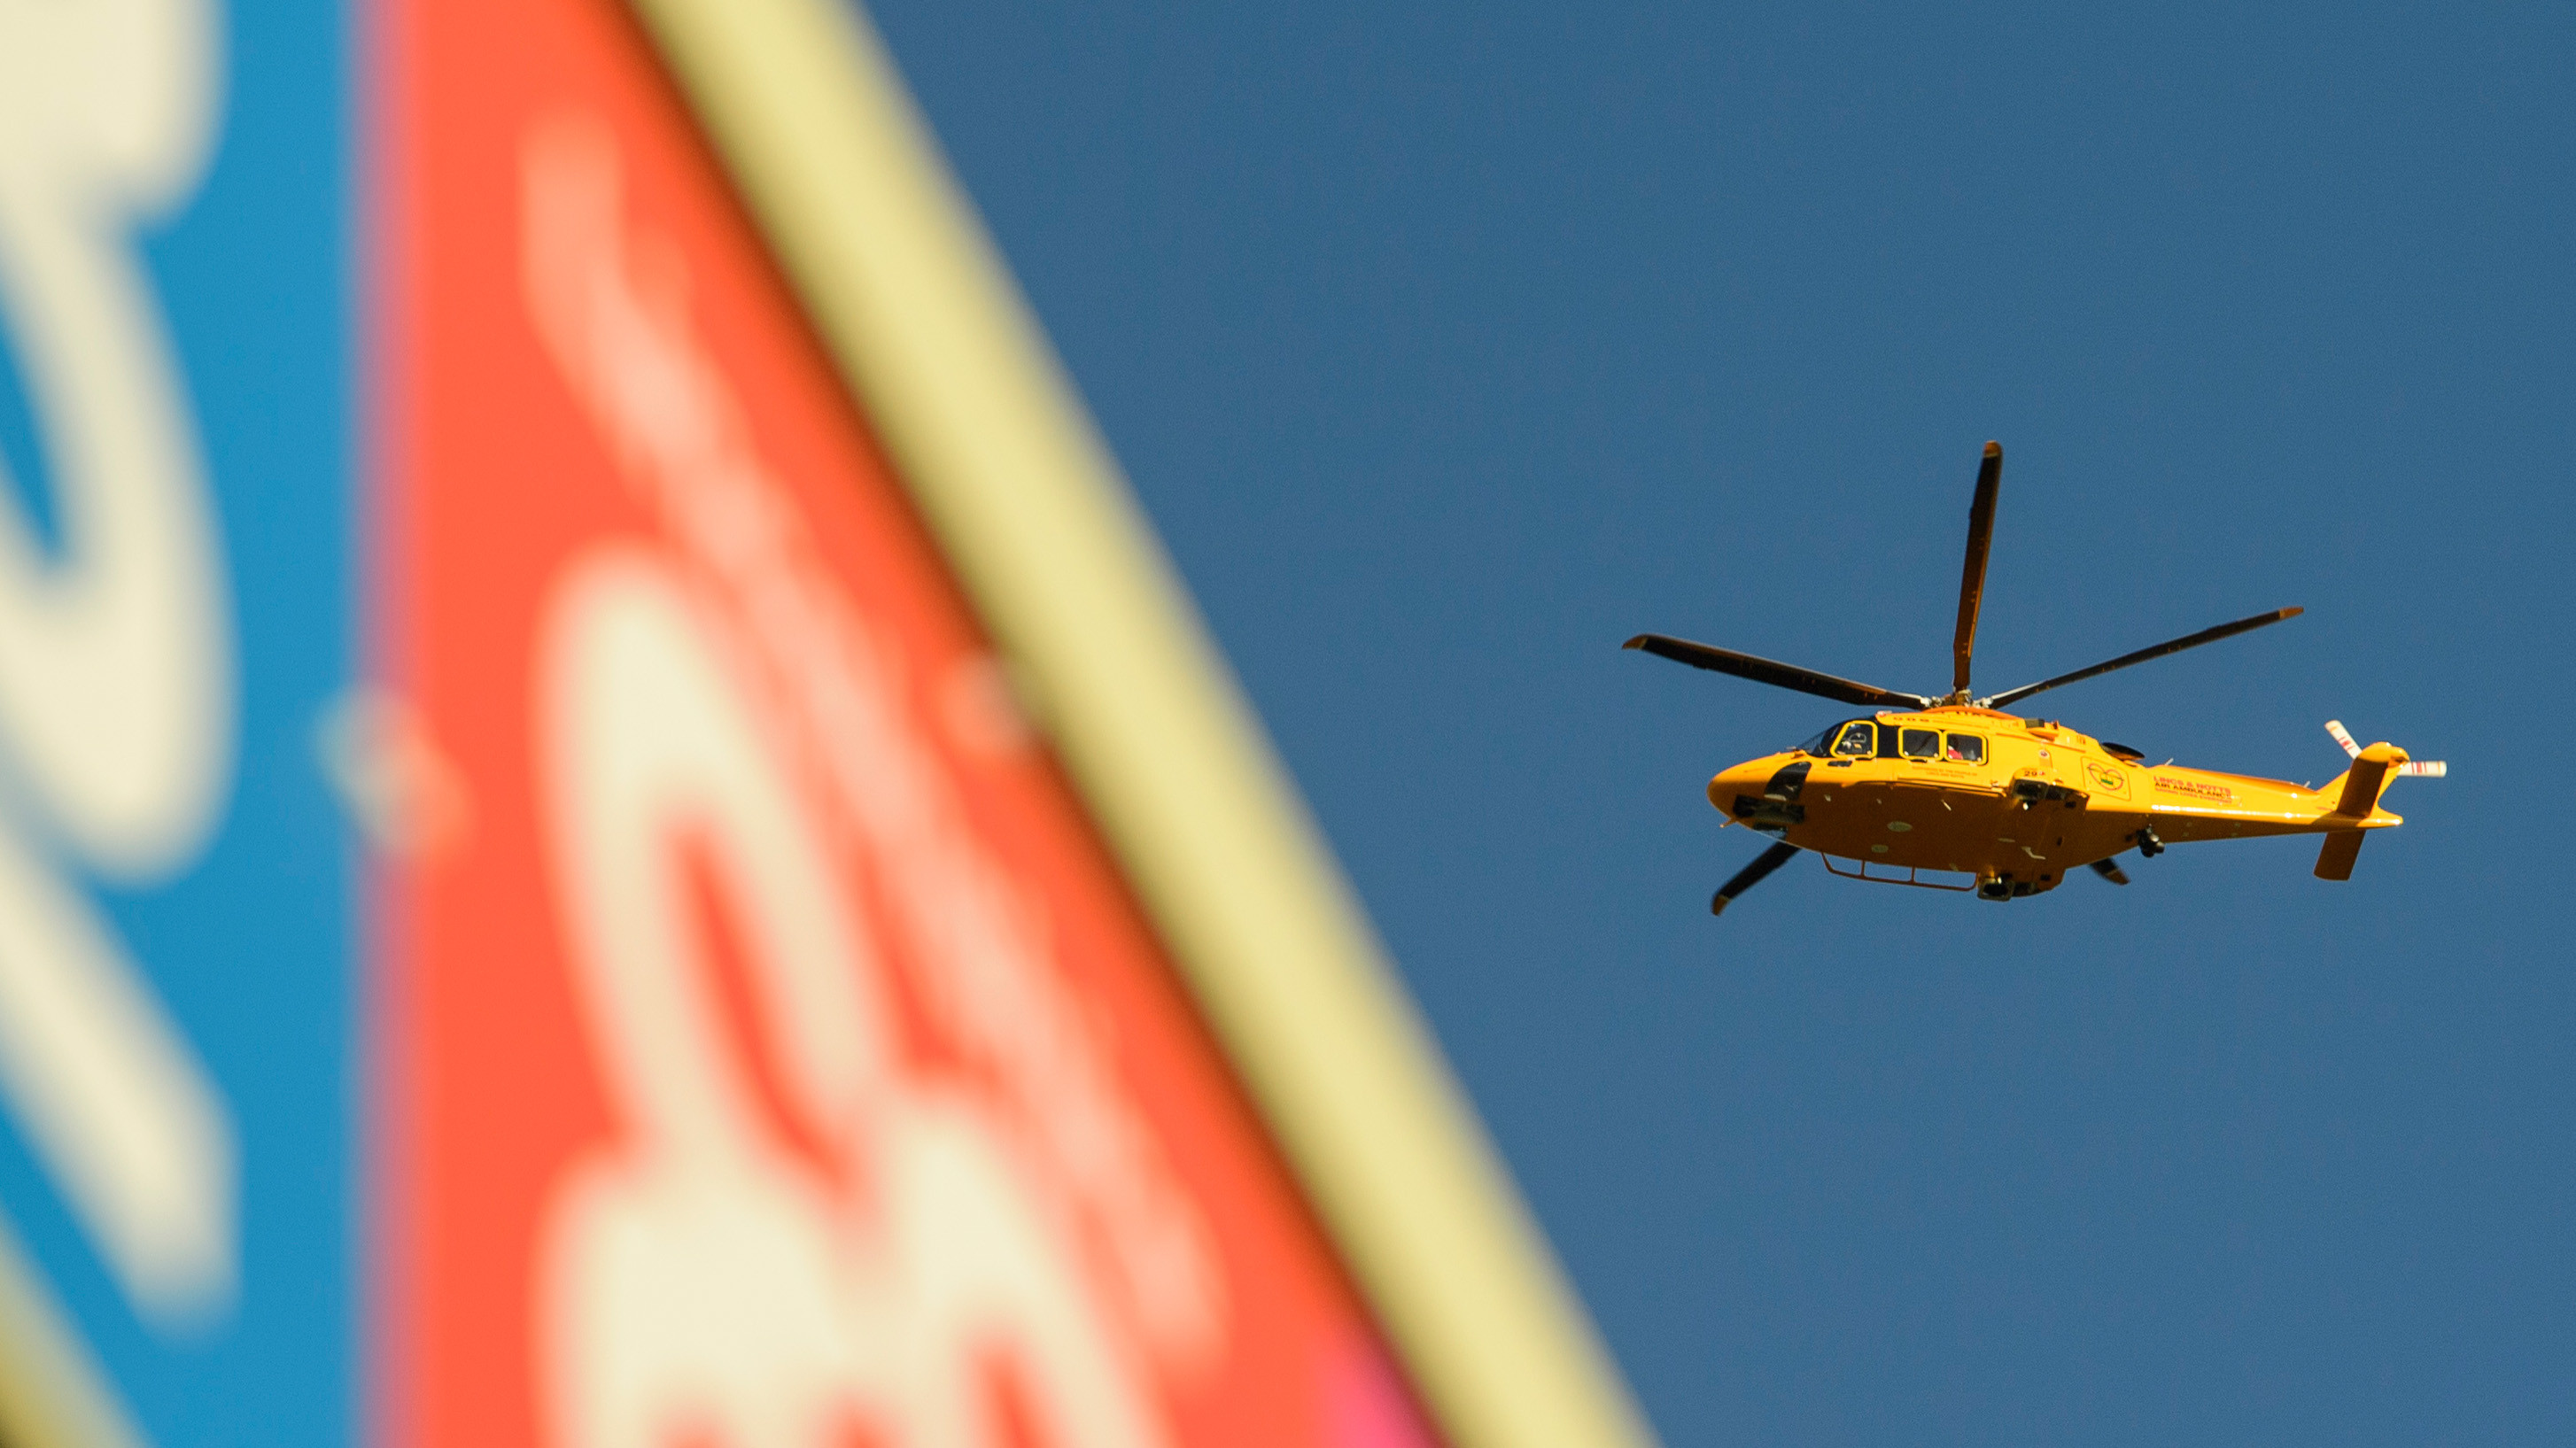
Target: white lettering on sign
x: 955, y: 1225
x: 117, y: 711
x: 700, y: 1271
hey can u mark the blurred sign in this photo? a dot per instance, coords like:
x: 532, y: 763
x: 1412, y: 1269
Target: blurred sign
x: 776, y: 1054
x: 747, y: 1038
x: 175, y: 937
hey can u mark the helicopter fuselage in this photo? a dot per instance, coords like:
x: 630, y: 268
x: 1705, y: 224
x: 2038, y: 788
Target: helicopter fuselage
x: 2012, y: 803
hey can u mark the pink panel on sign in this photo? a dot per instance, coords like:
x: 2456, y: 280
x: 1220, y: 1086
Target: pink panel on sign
x: 775, y: 1054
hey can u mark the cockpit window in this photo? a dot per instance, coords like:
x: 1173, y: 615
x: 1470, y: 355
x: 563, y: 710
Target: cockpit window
x: 1922, y: 744
x: 1816, y: 742
x: 1966, y: 749
x: 1859, y: 737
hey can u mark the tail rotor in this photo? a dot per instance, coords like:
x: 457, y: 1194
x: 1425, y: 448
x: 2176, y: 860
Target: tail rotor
x: 2422, y: 768
x: 2357, y: 795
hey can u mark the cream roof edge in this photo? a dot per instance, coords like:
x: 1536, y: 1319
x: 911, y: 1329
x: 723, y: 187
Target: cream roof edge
x: 804, y: 105
x: 52, y: 1395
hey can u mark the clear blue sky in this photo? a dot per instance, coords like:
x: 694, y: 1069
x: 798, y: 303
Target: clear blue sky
x: 1449, y: 346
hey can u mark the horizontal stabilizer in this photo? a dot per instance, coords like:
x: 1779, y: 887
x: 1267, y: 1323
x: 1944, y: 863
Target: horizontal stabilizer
x: 2334, y: 862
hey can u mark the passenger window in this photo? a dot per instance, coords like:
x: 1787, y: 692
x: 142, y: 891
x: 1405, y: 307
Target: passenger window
x: 1967, y: 749
x: 1859, y: 738
x: 1922, y: 744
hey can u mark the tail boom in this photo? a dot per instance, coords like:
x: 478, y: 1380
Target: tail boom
x: 2190, y: 804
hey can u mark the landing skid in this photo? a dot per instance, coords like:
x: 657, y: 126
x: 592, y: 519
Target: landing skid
x: 1913, y: 876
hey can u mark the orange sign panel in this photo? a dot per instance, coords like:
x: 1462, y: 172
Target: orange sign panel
x: 774, y: 1053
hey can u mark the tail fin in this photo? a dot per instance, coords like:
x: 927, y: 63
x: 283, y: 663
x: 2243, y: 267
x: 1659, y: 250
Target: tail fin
x: 2360, y: 797
x: 2368, y: 777
x: 2334, y: 862
x: 2357, y: 791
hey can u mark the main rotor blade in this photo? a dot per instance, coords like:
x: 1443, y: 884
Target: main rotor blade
x: 1972, y: 579
x: 1750, y: 876
x: 1765, y: 671
x: 2175, y: 646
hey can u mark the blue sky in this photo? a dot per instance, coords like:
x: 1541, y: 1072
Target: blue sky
x: 1449, y: 346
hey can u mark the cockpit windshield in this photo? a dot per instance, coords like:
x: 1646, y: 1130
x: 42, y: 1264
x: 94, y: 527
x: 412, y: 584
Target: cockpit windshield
x: 1851, y: 739
x: 1859, y: 739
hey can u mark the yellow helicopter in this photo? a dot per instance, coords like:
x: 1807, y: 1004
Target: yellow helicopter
x: 1957, y: 786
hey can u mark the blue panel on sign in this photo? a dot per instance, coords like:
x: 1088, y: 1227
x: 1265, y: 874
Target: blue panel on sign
x: 177, y: 1078
x: 23, y: 473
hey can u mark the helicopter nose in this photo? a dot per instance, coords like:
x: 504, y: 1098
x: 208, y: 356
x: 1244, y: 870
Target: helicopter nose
x: 1746, y: 780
